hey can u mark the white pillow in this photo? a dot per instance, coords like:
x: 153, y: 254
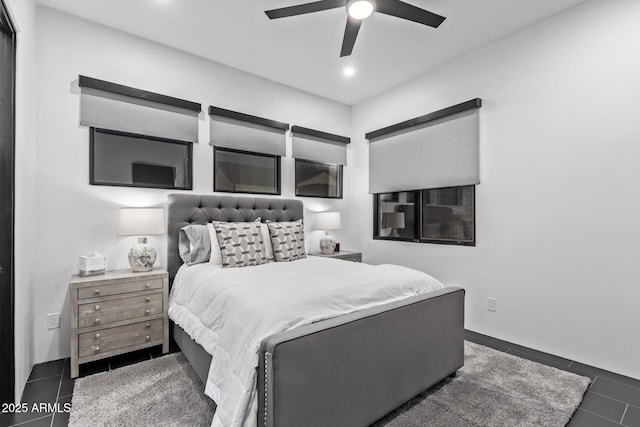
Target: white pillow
x: 216, y: 255
x: 266, y: 240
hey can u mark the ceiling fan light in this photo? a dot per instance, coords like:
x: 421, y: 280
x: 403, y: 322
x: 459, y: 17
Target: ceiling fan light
x: 360, y: 9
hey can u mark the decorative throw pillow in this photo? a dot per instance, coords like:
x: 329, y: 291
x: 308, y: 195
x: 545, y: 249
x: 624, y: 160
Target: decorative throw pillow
x: 194, y: 244
x: 240, y: 243
x: 216, y: 256
x: 287, y: 239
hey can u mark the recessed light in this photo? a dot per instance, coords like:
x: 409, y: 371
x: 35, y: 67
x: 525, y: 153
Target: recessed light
x: 348, y: 71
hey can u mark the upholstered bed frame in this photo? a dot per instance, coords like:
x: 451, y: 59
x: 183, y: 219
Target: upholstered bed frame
x: 346, y: 371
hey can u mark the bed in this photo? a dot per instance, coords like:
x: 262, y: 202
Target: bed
x: 347, y: 370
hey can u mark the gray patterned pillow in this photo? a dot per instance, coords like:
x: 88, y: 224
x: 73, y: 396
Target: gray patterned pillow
x: 287, y: 239
x: 240, y: 243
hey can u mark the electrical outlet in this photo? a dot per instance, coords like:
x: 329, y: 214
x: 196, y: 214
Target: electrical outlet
x: 491, y: 304
x: 53, y: 321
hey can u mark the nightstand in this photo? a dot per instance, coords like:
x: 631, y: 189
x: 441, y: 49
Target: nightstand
x: 345, y: 255
x: 117, y: 312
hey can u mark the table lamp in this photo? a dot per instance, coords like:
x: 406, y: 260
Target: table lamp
x: 141, y: 222
x: 327, y: 221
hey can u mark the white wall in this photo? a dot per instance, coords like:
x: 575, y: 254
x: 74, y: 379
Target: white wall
x: 23, y: 15
x: 74, y: 217
x: 557, y: 207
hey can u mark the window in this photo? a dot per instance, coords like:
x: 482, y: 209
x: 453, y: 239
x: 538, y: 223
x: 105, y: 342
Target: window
x: 396, y: 215
x: 442, y: 215
x: 131, y: 160
x: 238, y: 171
x: 448, y: 215
x: 315, y: 179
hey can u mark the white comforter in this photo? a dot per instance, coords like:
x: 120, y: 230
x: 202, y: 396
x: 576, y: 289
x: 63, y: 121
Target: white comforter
x: 229, y: 311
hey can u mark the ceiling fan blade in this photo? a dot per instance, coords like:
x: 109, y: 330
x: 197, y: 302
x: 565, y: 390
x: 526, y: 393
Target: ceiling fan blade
x: 301, y: 9
x: 350, y: 34
x: 407, y: 11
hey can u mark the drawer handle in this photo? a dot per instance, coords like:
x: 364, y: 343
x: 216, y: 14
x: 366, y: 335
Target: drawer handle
x: 147, y: 312
x: 148, y: 326
x: 97, y: 307
x: 147, y: 299
x: 97, y: 292
x: 148, y: 338
x: 147, y: 285
x: 97, y: 350
x: 97, y: 336
x: 98, y: 321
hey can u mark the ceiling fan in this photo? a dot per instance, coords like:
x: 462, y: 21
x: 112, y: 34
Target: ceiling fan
x: 357, y: 11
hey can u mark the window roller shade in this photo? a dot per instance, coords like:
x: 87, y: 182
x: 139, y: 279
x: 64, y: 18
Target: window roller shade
x: 114, y: 111
x: 307, y: 147
x: 437, y: 154
x: 245, y: 136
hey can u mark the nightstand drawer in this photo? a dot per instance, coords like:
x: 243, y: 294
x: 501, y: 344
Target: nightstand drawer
x: 120, y: 288
x: 109, y: 339
x: 343, y: 255
x: 354, y: 257
x: 115, y: 310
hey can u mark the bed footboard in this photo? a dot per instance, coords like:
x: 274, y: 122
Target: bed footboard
x: 354, y: 369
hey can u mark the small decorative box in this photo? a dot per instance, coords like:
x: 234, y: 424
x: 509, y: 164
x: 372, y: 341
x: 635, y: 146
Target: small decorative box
x: 91, y: 265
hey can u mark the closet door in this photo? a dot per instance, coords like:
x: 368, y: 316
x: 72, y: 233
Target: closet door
x: 7, y: 160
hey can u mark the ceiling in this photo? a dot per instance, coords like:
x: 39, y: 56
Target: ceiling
x: 303, y: 51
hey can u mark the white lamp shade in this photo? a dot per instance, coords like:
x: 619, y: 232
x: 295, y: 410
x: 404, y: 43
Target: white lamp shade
x: 327, y: 221
x: 141, y: 221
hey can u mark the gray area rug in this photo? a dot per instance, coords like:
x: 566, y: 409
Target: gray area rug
x: 159, y: 392
x: 493, y: 389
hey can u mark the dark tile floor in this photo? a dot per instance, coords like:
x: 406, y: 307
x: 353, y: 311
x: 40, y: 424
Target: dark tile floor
x: 611, y: 400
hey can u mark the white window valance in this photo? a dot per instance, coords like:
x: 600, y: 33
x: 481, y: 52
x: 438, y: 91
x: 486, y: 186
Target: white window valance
x: 239, y: 131
x: 437, y: 150
x: 112, y: 106
x: 317, y: 146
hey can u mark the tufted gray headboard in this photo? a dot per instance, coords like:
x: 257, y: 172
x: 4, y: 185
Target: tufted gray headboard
x: 185, y: 209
